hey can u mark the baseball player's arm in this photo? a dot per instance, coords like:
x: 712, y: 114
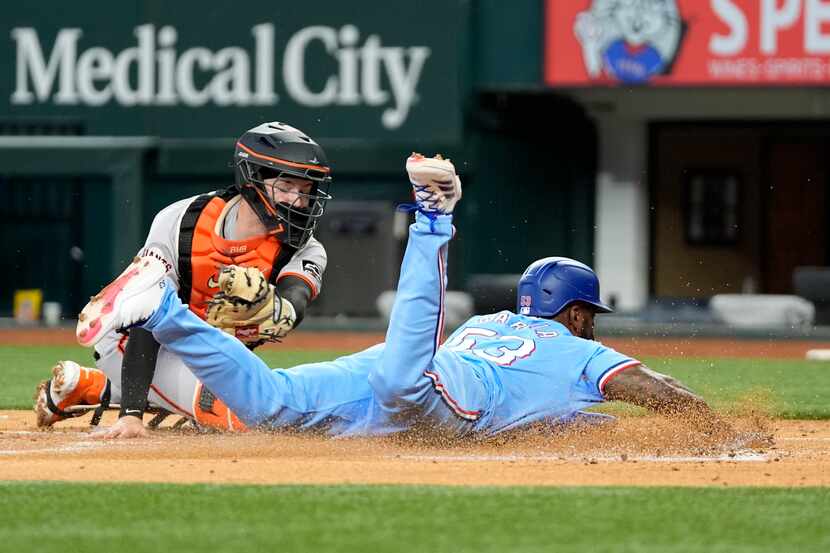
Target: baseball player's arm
x: 655, y: 391
x: 661, y: 393
x: 301, y: 280
x: 137, y: 372
x: 307, y: 266
x: 298, y: 292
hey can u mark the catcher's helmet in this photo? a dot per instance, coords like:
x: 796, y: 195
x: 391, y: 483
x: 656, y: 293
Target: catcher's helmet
x: 551, y: 284
x: 273, y: 150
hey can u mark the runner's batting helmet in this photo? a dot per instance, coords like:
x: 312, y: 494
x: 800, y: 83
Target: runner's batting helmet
x: 551, y: 284
x: 273, y: 150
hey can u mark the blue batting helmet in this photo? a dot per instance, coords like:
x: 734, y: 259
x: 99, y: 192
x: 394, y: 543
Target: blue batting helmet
x: 550, y: 284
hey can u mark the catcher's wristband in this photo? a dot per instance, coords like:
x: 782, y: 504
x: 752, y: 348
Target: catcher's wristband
x: 125, y: 412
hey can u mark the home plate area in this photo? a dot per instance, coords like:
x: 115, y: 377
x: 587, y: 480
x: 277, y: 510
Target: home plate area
x: 634, y: 451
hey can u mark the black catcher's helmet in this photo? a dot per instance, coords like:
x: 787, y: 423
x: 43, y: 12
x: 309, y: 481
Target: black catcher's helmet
x: 272, y: 150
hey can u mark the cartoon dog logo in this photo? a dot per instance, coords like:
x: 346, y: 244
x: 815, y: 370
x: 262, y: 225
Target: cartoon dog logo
x: 630, y: 40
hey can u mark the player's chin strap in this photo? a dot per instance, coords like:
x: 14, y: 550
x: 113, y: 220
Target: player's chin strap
x: 431, y: 215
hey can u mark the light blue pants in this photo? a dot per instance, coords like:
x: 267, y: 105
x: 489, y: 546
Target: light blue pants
x: 379, y: 390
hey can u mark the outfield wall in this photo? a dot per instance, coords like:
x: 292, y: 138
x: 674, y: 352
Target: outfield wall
x: 371, y: 85
x: 555, y: 161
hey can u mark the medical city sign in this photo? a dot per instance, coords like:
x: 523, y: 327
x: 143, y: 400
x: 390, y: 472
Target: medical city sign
x: 158, y: 71
x: 687, y: 42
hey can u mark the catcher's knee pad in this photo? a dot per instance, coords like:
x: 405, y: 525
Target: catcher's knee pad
x: 209, y: 411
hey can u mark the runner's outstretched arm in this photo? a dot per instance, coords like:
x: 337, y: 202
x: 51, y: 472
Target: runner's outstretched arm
x: 663, y: 394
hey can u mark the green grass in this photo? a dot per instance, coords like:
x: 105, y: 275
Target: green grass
x: 796, y: 388
x: 153, y: 518
x: 792, y: 388
x: 183, y: 518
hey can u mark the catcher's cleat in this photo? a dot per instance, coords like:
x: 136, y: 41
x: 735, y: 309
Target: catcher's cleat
x: 71, y: 392
x: 130, y: 299
x: 437, y: 188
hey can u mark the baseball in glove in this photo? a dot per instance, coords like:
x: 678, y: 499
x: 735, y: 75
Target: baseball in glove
x: 249, y: 308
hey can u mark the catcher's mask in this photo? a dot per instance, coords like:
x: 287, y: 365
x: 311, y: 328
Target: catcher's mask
x: 274, y: 151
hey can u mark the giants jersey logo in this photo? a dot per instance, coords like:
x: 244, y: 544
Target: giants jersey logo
x: 157, y: 253
x: 313, y: 269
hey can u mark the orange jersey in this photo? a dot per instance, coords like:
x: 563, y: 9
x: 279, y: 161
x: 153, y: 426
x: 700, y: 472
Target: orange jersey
x: 210, y: 252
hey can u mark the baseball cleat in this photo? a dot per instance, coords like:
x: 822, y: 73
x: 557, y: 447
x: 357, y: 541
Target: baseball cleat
x: 71, y: 387
x: 130, y: 299
x: 437, y: 188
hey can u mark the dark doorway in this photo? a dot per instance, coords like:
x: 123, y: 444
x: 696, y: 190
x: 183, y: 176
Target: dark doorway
x: 796, y: 213
x: 762, y: 212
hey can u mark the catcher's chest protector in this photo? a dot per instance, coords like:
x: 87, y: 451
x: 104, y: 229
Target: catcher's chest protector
x: 203, y: 252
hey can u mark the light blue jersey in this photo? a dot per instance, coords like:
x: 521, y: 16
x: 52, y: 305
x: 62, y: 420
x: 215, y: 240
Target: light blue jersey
x: 495, y: 373
x: 531, y: 369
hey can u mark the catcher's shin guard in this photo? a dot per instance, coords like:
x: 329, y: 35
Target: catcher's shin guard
x: 210, y: 412
x: 71, y: 387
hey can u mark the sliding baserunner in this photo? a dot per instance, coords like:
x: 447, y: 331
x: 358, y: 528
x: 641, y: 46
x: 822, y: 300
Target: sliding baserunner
x: 496, y: 372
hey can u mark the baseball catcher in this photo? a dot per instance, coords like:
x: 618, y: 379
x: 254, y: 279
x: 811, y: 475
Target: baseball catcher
x: 252, y: 242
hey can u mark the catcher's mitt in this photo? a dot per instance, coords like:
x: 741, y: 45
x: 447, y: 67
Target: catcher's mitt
x: 249, y: 308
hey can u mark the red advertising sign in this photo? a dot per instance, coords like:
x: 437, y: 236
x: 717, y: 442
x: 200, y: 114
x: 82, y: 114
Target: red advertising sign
x: 687, y: 42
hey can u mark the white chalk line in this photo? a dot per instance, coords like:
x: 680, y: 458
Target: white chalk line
x: 740, y: 458
x: 80, y: 433
x: 69, y: 448
x: 748, y: 457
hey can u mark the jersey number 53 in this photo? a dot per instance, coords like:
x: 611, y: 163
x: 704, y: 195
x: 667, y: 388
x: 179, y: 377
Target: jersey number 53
x: 505, y: 354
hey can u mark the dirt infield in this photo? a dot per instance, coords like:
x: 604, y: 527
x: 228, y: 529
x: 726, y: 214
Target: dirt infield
x: 636, y: 346
x: 646, y: 451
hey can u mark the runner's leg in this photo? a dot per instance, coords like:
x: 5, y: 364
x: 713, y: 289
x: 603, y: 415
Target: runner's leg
x: 417, y: 319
